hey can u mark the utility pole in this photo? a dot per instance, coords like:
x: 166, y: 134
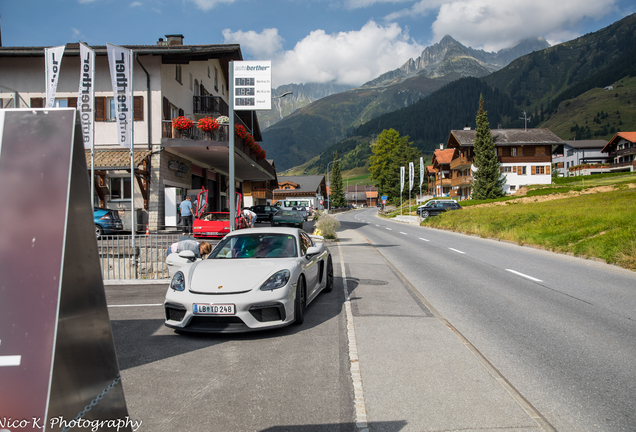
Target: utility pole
x: 525, y: 121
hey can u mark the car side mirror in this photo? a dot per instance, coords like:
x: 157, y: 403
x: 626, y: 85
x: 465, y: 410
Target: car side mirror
x: 188, y: 254
x: 315, y: 250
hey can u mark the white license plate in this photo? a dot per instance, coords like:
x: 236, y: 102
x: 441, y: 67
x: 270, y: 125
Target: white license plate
x: 214, y: 309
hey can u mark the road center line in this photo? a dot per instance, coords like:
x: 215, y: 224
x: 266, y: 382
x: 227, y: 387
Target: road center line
x: 423, y: 239
x: 389, y: 229
x: 403, y: 233
x: 356, y: 376
x: 133, y: 305
x: 524, y: 275
x: 458, y: 251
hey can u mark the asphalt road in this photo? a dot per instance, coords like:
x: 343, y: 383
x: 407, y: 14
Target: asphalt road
x: 561, y: 330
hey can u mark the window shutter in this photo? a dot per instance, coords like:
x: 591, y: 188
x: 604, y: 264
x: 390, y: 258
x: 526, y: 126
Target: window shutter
x: 547, y: 169
x: 519, y: 170
x: 501, y: 169
x: 166, y: 109
x: 533, y: 170
x: 138, y: 108
x: 100, y: 108
x: 499, y: 151
x: 37, y: 102
x: 520, y: 151
x: 72, y: 102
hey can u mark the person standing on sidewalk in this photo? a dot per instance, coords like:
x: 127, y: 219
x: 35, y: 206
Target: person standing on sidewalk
x: 186, y: 214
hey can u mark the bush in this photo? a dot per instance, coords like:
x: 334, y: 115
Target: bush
x: 328, y: 226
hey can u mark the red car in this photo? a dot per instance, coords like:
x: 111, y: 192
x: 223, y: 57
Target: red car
x: 213, y: 224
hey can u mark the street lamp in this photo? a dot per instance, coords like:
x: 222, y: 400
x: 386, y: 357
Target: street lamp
x: 357, y: 193
x: 329, y: 186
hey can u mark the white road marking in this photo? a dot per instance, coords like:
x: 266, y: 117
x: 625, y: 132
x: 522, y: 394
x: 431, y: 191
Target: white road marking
x: 356, y: 377
x: 389, y: 229
x: 377, y: 225
x: 524, y: 275
x: 403, y: 233
x: 423, y: 239
x: 458, y: 251
x: 133, y: 305
x: 10, y: 360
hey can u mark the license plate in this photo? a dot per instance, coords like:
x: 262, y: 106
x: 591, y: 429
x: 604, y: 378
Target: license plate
x: 214, y: 309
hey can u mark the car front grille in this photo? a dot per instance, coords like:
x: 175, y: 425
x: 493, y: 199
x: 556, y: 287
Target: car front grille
x: 267, y: 313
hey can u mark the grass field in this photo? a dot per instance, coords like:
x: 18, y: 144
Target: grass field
x: 592, y: 216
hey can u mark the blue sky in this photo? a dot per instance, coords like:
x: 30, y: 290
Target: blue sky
x: 346, y: 41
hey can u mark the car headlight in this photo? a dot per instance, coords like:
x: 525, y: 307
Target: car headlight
x: 178, y: 282
x: 277, y: 280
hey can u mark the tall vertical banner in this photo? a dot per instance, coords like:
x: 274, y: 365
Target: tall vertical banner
x: 53, y: 59
x: 119, y: 60
x: 121, y: 76
x: 421, y: 173
x: 86, y: 94
x: 401, y: 179
x: 411, y: 175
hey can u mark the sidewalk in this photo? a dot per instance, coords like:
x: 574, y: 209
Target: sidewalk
x: 417, y: 371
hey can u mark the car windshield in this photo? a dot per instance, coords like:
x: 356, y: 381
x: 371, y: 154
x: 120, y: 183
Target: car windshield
x: 209, y: 217
x: 286, y: 213
x: 255, y: 246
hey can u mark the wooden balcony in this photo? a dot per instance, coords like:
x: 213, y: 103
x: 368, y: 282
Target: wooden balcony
x: 461, y: 162
x: 210, y: 105
x: 462, y: 181
x: 262, y: 193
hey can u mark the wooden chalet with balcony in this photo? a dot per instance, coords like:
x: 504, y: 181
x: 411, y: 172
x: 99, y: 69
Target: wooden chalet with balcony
x: 622, y: 152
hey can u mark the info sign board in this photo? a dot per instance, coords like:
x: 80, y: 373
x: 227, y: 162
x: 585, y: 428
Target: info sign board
x: 252, y: 85
x: 57, y: 356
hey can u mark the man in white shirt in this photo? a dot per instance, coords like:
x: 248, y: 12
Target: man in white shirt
x: 250, y: 216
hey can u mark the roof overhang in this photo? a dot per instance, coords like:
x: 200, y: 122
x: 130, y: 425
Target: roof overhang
x: 216, y: 155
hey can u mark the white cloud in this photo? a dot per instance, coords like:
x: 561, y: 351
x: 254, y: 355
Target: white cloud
x: 135, y: 4
x: 257, y: 45
x: 356, y: 4
x: 206, y: 5
x: 352, y: 58
x: 496, y: 24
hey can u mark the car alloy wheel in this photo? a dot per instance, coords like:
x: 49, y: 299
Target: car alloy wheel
x: 299, y: 302
x: 424, y: 214
x: 98, y: 231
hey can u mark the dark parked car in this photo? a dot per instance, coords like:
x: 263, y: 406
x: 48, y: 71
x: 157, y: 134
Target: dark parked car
x: 288, y: 217
x: 435, y: 207
x: 107, y: 221
x: 264, y: 213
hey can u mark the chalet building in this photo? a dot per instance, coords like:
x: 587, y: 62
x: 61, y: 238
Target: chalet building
x: 621, y: 150
x: 582, y: 157
x: 525, y: 157
x: 312, y: 187
x: 439, y: 173
x: 170, y: 79
x: 362, y: 195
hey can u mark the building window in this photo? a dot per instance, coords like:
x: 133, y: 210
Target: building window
x: 119, y: 188
x: 178, y: 73
x: 105, y: 109
x: 61, y: 103
x: 190, y: 82
x: 216, y: 79
x: 208, y: 71
x: 539, y: 151
x: 540, y: 170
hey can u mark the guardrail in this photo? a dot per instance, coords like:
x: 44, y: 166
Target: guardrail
x: 147, y: 260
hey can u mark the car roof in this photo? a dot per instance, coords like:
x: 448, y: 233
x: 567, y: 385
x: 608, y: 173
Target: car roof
x: 266, y: 230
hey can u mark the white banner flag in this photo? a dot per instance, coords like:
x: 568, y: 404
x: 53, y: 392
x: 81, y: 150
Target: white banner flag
x: 401, y: 179
x: 86, y: 94
x: 421, y: 171
x: 411, y: 175
x: 53, y: 59
x: 119, y: 60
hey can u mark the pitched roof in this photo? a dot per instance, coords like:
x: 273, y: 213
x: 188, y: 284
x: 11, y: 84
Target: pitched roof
x: 309, y: 183
x: 629, y: 136
x: 586, y: 144
x: 506, y: 137
x: 443, y: 156
x: 114, y: 159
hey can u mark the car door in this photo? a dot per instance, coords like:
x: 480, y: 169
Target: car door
x: 311, y: 264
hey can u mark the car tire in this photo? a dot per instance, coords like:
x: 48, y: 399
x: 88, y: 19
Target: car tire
x: 329, y: 276
x: 424, y: 214
x: 98, y: 231
x: 299, y: 302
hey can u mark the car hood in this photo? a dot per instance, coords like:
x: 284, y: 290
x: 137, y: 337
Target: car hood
x: 231, y: 276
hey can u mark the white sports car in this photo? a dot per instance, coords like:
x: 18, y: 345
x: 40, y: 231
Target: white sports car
x: 254, y: 279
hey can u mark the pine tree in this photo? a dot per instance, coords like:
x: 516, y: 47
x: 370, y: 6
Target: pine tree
x: 390, y: 152
x: 487, y: 180
x: 337, y: 195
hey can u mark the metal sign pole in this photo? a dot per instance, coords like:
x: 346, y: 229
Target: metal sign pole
x: 132, y: 163
x: 231, y: 149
